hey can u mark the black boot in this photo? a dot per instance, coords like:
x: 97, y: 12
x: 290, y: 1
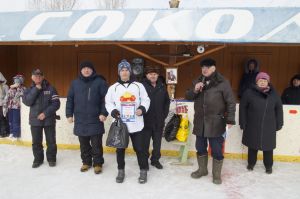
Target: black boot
x: 36, y: 164
x: 157, y: 164
x: 250, y: 167
x: 269, y: 170
x: 121, y: 175
x: 202, y: 170
x: 143, y: 177
x: 217, y: 168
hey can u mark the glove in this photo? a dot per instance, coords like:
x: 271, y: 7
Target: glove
x: 115, y: 113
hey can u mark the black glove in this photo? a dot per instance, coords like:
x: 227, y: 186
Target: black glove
x: 115, y: 113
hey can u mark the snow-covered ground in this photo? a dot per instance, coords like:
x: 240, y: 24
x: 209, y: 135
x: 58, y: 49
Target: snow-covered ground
x: 18, y: 180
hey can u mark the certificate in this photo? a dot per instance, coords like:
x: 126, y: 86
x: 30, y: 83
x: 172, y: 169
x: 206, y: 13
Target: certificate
x: 128, y: 112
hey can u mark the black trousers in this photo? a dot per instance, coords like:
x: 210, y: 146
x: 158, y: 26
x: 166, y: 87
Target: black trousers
x: 268, y: 157
x: 156, y: 136
x: 215, y: 143
x: 37, y: 143
x: 137, y: 140
x: 91, y: 150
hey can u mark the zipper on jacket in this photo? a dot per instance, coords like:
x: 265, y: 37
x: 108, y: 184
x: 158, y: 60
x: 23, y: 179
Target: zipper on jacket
x: 89, y: 94
x: 262, y: 124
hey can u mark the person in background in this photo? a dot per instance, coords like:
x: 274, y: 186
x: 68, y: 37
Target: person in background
x: 214, y: 106
x: 43, y: 100
x: 13, y: 104
x: 248, y: 80
x: 4, y: 130
x: 86, y: 103
x: 128, y: 100
x: 291, y: 95
x: 260, y: 115
x: 155, y: 117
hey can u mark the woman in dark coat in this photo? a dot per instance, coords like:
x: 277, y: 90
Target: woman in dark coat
x: 261, y: 115
x: 291, y: 95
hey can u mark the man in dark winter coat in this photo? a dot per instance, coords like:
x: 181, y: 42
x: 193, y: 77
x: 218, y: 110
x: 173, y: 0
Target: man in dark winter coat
x: 260, y: 116
x: 86, y: 102
x: 214, y: 106
x: 248, y: 79
x: 44, y: 102
x: 157, y: 113
x: 291, y: 95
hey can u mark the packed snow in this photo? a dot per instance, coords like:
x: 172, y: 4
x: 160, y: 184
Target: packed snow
x: 18, y: 180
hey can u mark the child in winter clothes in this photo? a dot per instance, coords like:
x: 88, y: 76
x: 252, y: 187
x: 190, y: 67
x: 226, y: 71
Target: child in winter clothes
x: 12, y: 102
x: 3, y: 122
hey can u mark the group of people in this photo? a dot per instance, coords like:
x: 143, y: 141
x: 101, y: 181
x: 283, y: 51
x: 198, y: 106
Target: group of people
x: 143, y: 107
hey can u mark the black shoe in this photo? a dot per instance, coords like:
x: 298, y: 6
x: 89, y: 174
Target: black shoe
x: 269, y: 170
x: 36, y: 164
x: 157, y: 165
x: 52, y: 164
x: 250, y: 167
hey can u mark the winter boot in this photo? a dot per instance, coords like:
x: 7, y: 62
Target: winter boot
x: 52, y: 164
x: 143, y: 177
x: 121, y: 176
x: 36, y: 164
x: 202, y: 170
x: 85, y: 168
x: 217, y: 168
x: 269, y: 170
x: 97, y: 169
x: 157, y: 164
x: 250, y: 167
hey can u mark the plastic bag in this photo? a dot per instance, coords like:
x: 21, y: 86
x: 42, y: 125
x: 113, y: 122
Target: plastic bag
x: 183, y: 130
x: 172, y: 128
x: 118, y: 136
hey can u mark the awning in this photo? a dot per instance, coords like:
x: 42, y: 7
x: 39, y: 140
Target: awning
x: 221, y: 25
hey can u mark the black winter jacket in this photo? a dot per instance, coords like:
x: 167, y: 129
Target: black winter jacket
x: 159, y: 105
x: 86, y: 101
x: 291, y: 95
x: 45, y: 100
x: 214, y: 106
x: 260, y: 116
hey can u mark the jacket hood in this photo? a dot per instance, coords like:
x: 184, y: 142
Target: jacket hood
x: 246, y: 66
x: 2, y: 78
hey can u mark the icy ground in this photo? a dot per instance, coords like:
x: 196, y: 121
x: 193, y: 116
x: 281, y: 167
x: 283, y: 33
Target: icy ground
x: 18, y: 180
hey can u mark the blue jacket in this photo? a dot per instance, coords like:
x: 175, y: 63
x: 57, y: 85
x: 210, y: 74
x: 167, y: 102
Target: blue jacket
x: 45, y: 100
x: 86, y: 101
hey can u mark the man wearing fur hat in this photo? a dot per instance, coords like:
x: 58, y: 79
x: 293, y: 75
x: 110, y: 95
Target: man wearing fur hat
x: 43, y: 100
x: 13, y: 105
x: 214, y: 105
x: 127, y: 94
x: 85, y: 102
x: 157, y: 113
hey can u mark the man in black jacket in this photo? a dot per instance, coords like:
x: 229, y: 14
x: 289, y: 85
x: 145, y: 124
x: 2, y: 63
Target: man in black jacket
x: 158, y: 111
x: 44, y: 102
x: 291, y: 95
x: 214, y: 106
x: 86, y: 102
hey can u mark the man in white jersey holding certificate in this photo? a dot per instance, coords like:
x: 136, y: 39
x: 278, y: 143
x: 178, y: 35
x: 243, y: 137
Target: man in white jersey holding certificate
x: 129, y: 100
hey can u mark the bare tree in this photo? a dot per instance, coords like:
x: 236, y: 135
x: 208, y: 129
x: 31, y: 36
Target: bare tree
x: 51, y: 4
x: 110, y: 4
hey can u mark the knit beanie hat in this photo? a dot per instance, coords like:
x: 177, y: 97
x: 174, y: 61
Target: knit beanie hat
x: 124, y: 64
x: 263, y: 75
x: 88, y: 64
